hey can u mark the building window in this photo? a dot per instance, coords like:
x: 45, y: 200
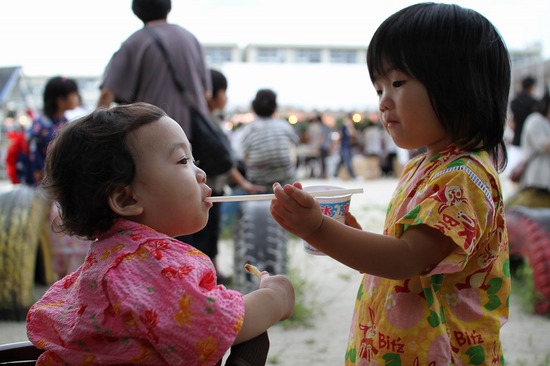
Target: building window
x: 270, y: 55
x: 217, y: 55
x: 307, y: 56
x: 343, y: 56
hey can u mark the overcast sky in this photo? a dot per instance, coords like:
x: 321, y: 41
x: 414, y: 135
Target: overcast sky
x: 77, y: 37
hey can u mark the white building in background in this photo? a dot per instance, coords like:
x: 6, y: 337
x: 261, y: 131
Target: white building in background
x: 325, y: 78
x: 305, y: 77
x: 529, y: 61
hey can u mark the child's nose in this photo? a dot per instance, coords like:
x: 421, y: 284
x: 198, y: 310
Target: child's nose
x: 384, y: 103
x: 201, y: 175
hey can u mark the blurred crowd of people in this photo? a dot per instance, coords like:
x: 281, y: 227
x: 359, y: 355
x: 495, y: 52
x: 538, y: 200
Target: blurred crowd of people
x: 349, y: 146
x: 270, y: 149
x: 530, y: 142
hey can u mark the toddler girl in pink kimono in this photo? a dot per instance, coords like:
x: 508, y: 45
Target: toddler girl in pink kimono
x: 125, y: 178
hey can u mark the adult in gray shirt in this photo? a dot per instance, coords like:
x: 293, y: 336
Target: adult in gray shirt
x: 138, y: 71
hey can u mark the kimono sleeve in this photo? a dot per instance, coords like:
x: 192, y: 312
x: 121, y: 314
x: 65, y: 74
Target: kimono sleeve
x: 458, y: 203
x: 168, y: 296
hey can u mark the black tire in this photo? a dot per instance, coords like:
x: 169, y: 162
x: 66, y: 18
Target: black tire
x: 260, y: 241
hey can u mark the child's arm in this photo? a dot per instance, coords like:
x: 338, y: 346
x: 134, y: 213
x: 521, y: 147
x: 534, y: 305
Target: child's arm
x: 272, y: 302
x: 236, y: 177
x: 418, y: 250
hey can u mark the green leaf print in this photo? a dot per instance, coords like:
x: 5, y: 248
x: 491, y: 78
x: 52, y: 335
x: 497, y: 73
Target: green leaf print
x: 360, y: 292
x: 392, y: 359
x: 437, y: 156
x: 413, y: 214
x: 433, y: 319
x: 477, y: 356
x: 442, y: 315
x: 494, y: 302
x: 436, y: 282
x: 93, y: 284
x: 506, y: 268
x: 429, y: 296
x: 351, y: 355
x: 494, y: 285
x: 458, y: 162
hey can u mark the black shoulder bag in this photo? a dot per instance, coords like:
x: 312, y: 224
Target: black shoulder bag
x: 210, y: 145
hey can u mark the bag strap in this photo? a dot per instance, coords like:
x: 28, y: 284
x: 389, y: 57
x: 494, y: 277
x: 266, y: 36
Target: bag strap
x: 175, y: 78
x: 177, y: 81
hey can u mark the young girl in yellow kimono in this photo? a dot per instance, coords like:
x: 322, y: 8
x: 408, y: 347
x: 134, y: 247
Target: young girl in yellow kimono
x: 436, y: 284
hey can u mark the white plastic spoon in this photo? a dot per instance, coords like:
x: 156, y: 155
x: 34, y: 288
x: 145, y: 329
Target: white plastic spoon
x: 263, y: 197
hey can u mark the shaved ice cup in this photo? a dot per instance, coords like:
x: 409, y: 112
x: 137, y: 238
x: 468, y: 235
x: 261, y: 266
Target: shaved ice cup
x: 334, y: 206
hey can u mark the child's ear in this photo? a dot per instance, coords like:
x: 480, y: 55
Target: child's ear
x: 123, y: 203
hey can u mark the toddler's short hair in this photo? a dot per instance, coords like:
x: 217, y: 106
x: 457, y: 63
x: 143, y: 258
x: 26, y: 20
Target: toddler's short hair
x: 87, y: 160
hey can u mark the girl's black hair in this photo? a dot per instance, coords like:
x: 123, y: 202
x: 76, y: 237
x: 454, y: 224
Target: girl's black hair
x: 87, y: 160
x: 57, y: 87
x: 461, y: 59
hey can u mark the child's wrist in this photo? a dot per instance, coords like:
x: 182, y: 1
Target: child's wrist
x: 315, y: 233
x: 278, y: 297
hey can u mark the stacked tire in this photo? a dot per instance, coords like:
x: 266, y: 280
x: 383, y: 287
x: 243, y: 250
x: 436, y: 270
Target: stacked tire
x: 24, y: 249
x: 529, y: 239
x: 260, y: 241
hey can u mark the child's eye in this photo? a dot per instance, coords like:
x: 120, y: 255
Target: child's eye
x: 184, y: 160
x: 377, y: 88
x: 398, y: 83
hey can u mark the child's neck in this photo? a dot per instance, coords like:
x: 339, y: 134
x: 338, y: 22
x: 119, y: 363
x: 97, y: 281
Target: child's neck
x: 156, y: 21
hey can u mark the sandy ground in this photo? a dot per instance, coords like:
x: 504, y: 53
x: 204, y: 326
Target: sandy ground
x: 330, y: 290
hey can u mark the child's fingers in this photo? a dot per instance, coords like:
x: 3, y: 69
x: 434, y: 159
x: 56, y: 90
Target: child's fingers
x: 295, y: 210
x: 352, y: 221
x: 283, y: 207
x: 281, y: 215
x: 290, y: 195
x: 281, y: 198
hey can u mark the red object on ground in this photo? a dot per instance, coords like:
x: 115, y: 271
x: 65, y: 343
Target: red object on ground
x: 529, y: 238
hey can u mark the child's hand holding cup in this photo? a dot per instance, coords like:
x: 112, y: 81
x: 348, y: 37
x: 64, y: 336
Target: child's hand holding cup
x: 335, y: 207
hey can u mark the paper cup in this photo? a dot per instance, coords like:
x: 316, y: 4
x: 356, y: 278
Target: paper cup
x: 335, y: 207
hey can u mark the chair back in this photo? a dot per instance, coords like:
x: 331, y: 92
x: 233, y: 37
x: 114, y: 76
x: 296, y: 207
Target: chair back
x: 19, y: 353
